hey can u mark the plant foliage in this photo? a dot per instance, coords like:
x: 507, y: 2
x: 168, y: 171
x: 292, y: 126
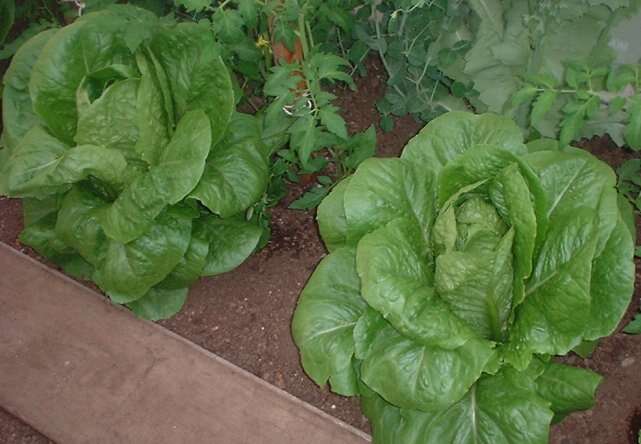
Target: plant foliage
x: 455, y: 272
x: 561, y: 69
x: 135, y: 171
x: 272, y: 46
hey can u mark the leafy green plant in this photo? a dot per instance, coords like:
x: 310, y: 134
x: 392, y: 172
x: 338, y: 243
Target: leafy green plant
x: 456, y: 272
x: 590, y: 102
x: 549, y: 65
x: 120, y: 135
x: 37, y: 15
x: 403, y: 35
x: 634, y: 327
x: 301, y: 125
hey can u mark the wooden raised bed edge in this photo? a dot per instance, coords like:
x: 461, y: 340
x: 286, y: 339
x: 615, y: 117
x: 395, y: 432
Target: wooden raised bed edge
x: 80, y: 369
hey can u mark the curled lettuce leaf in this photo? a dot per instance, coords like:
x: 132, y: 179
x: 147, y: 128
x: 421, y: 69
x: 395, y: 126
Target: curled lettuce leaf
x: 455, y: 272
x: 114, y: 128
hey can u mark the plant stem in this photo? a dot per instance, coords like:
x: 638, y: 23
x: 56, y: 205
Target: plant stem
x: 302, y: 34
x: 381, y: 54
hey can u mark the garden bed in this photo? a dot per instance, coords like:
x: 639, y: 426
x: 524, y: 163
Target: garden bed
x: 244, y: 316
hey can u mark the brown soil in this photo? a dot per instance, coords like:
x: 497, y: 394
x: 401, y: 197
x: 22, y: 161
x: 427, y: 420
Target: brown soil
x: 244, y: 316
x: 14, y: 431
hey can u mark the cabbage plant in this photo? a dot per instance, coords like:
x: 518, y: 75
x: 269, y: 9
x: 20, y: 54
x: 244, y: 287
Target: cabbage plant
x: 120, y: 135
x: 455, y: 273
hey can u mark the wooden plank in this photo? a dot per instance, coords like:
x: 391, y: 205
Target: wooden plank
x: 81, y: 370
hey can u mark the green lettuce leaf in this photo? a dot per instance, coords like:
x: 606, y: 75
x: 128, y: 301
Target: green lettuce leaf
x: 96, y: 122
x: 75, y: 51
x: 197, y: 76
x: 18, y: 116
x: 416, y: 376
x: 445, y: 138
x: 42, y: 165
x: 332, y: 222
x: 177, y: 173
x: 397, y: 280
x: 159, y: 303
x: 382, y: 190
x: 129, y: 270
x: 497, y: 410
x: 231, y: 241
x: 324, y: 322
x: 236, y: 171
x: 567, y: 389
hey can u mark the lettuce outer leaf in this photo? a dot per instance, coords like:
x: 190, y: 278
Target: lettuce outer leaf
x: 444, y: 139
x: 236, y: 171
x: 231, y: 241
x: 567, y: 389
x: 613, y: 274
x: 18, y: 116
x: 332, y: 221
x: 416, y: 376
x: 42, y: 165
x: 152, y: 117
x: 129, y: 270
x: 159, y: 303
x: 496, y: 410
x: 324, y: 322
x: 383, y: 190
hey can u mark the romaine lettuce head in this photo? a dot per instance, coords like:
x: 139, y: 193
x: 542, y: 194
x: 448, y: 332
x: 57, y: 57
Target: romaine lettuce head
x: 455, y: 272
x: 121, y: 136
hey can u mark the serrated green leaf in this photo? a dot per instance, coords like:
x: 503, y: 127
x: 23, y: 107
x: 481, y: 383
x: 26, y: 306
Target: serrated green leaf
x: 333, y: 121
x: 361, y: 147
x: 249, y: 11
x: 310, y: 199
x: 524, y: 95
x: 304, y: 138
x: 228, y: 25
x: 542, y: 105
x: 571, y: 126
x: 282, y: 80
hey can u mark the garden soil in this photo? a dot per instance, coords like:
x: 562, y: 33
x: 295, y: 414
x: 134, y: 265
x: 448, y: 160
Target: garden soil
x: 244, y: 316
